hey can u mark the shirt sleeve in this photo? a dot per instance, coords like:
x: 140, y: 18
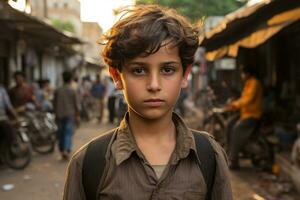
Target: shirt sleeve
x: 248, y: 94
x: 73, y: 186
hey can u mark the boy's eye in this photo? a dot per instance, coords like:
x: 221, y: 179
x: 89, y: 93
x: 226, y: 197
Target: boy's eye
x: 168, y: 70
x: 138, y: 71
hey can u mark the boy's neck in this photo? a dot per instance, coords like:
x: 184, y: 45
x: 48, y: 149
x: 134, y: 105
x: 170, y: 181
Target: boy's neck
x: 146, y: 128
x: 155, y: 138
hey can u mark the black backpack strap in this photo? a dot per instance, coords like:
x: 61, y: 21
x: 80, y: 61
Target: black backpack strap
x: 206, y: 155
x: 94, y: 163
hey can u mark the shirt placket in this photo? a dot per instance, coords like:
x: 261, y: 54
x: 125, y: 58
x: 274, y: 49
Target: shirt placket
x: 158, y: 183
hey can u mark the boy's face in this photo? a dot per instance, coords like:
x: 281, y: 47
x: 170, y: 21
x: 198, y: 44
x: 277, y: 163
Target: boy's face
x: 152, y: 84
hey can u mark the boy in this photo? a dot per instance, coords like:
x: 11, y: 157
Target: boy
x: 152, y: 154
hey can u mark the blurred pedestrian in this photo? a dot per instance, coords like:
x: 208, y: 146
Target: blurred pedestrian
x: 110, y: 92
x: 75, y: 84
x: 85, y: 98
x: 66, y: 109
x: 6, y: 127
x: 44, y: 95
x: 120, y: 105
x: 98, y: 91
x: 22, y: 93
x: 250, y: 106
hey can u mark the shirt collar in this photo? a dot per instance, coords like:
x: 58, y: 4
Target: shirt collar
x: 125, y: 143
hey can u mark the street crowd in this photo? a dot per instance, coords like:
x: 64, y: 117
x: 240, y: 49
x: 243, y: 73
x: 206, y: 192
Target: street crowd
x: 72, y: 102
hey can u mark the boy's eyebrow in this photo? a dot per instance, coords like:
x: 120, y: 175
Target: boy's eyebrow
x: 145, y: 64
x: 136, y: 63
x: 170, y: 62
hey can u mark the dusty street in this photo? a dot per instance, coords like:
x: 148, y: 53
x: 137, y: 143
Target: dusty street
x: 44, y: 178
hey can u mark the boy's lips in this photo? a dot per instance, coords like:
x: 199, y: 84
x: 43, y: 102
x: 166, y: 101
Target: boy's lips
x: 154, y: 102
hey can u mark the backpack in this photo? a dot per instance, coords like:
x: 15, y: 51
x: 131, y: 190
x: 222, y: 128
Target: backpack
x: 96, y: 150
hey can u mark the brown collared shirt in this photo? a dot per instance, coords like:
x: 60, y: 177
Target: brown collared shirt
x: 129, y: 176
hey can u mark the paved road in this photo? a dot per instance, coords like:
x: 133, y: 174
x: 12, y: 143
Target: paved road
x: 44, y: 178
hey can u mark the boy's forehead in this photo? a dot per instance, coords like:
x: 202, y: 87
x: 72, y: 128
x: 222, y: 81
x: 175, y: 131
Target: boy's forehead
x: 165, y: 52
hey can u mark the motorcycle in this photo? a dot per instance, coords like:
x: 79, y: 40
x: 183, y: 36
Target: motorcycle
x: 216, y: 120
x: 16, y: 151
x: 41, y: 129
x: 219, y: 122
x: 260, y: 146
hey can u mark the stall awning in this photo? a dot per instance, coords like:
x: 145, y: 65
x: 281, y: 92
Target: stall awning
x: 26, y: 24
x: 232, y: 17
x: 273, y: 26
x: 250, y: 27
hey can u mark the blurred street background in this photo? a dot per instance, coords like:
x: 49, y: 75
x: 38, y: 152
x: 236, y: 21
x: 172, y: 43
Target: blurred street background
x: 41, y: 39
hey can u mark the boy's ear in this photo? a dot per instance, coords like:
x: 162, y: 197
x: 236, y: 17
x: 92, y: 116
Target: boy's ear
x: 184, y: 82
x: 116, y: 77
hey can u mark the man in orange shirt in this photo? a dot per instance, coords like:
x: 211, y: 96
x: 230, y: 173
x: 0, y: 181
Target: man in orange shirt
x: 250, y: 106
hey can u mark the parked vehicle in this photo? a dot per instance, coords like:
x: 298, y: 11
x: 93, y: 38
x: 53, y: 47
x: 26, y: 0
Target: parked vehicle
x: 218, y: 122
x: 260, y: 146
x: 16, y: 152
x: 215, y: 120
x: 41, y: 129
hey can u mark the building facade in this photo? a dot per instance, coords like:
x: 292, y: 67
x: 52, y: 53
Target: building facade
x: 59, y: 11
x: 33, y: 46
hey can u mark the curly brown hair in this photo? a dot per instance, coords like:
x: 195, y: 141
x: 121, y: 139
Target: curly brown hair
x: 143, y: 30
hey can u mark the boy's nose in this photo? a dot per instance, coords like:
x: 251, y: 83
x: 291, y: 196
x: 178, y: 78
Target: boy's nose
x: 154, y: 83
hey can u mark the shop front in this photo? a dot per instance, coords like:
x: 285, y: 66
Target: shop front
x: 27, y: 42
x: 266, y: 36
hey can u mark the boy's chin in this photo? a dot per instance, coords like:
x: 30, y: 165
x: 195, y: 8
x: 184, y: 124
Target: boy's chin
x: 153, y: 114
